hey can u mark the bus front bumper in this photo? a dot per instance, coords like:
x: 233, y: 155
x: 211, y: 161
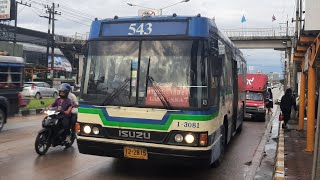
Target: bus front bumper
x: 154, y: 153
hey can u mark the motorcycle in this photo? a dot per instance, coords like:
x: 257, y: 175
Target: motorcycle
x: 53, y: 133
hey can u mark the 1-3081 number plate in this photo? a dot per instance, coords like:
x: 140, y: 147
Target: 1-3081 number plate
x: 135, y: 153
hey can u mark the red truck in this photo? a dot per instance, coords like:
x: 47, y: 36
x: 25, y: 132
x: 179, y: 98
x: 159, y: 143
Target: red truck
x: 256, y: 91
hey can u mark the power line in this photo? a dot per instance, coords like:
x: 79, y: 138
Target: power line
x: 75, y: 21
x: 69, y: 9
x: 77, y: 17
x: 78, y: 12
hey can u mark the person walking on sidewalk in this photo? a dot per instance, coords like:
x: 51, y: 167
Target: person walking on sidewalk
x: 269, y: 103
x: 287, y: 102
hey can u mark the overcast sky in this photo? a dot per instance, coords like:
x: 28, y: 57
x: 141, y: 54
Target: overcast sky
x: 76, y: 16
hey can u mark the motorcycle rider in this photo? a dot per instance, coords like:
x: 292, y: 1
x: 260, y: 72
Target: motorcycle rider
x: 65, y: 104
x: 75, y: 104
x: 71, y: 96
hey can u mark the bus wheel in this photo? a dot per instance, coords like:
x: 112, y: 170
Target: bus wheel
x: 2, y: 119
x: 222, y: 149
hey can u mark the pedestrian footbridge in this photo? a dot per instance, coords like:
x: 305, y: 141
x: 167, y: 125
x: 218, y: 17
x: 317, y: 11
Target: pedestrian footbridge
x: 261, y: 38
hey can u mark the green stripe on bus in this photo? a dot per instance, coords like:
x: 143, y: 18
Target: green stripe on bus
x: 166, y: 126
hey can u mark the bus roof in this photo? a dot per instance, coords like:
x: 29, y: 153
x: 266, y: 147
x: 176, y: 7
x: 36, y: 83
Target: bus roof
x: 11, y: 59
x: 162, y: 25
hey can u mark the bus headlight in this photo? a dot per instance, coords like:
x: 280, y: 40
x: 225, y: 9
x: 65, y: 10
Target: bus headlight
x: 87, y: 129
x: 189, y: 138
x: 95, y: 130
x: 178, y: 138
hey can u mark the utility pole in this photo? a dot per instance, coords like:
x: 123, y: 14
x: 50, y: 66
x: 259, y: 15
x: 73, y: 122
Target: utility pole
x: 51, y: 10
x: 48, y: 44
x: 297, y: 21
x: 285, y: 76
x: 300, y: 15
x: 16, y: 18
x: 54, y: 12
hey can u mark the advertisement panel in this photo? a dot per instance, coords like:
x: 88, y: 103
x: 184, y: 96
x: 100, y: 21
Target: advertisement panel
x: 7, y: 9
x: 60, y: 63
x: 176, y: 96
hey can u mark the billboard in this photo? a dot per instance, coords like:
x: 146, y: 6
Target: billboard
x: 60, y: 63
x: 7, y: 9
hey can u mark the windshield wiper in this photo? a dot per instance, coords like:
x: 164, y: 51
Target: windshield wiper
x: 116, y: 92
x: 156, y: 89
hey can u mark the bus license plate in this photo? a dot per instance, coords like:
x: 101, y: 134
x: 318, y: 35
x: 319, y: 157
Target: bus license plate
x: 135, y: 153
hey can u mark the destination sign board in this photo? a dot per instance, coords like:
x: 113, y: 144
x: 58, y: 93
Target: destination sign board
x: 157, y: 28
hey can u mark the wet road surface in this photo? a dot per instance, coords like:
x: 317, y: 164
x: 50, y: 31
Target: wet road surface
x: 18, y: 158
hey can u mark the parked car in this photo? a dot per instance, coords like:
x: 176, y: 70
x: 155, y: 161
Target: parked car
x: 39, y: 90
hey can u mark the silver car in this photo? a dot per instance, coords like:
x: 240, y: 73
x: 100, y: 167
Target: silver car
x: 39, y: 90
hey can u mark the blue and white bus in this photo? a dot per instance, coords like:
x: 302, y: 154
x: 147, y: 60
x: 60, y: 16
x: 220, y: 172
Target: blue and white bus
x: 164, y: 87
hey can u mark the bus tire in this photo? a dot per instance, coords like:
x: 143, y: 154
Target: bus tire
x: 217, y: 162
x: 3, y: 117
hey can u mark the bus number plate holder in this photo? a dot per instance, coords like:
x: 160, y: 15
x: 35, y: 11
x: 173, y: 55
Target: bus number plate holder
x: 135, y: 153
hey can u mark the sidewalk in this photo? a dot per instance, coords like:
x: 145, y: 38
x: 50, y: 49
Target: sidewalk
x: 297, y: 162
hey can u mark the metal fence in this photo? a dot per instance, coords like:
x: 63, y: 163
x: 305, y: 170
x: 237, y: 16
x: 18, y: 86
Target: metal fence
x: 78, y: 37
x: 259, y: 32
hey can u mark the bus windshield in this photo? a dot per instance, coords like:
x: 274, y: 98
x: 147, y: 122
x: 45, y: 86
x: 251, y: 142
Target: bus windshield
x: 141, y: 73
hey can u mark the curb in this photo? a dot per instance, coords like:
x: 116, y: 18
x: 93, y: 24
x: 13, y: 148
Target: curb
x: 279, y: 168
x: 29, y: 112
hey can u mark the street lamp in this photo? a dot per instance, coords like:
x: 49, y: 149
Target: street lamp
x: 160, y: 9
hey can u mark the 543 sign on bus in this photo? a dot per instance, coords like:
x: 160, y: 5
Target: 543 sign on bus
x: 142, y: 29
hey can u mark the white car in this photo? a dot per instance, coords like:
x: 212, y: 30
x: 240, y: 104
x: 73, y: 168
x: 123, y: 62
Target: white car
x: 39, y: 90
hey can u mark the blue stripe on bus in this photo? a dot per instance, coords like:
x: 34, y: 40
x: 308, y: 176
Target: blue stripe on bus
x: 11, y: 65
x: 149, y: 121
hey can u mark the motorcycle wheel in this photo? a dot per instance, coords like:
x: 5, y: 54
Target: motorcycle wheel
x: 73, y: 137
x: 42, y: 144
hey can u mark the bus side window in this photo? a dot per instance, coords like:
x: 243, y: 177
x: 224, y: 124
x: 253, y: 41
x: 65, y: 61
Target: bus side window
x: 216, y: 70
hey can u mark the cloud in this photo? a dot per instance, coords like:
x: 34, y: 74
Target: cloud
x: 76, y: 16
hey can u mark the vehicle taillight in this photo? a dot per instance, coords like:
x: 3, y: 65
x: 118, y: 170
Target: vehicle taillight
x: 33, y: 87
x: 19, y: 99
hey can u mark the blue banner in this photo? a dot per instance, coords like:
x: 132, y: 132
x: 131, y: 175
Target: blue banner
x: 144, y: 29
